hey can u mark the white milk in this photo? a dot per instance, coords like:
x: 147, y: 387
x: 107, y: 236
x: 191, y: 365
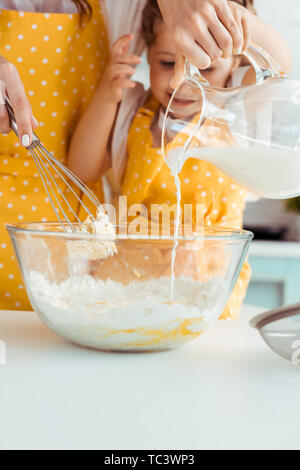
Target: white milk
x: 273, y: 174
x: 175, y: 167
x: 176, y: 232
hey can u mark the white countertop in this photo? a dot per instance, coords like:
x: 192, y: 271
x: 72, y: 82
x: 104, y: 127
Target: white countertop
x: 226, y: 390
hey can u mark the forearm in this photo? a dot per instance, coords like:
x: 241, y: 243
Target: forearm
x: 270, y: 40
x: 88, y: 155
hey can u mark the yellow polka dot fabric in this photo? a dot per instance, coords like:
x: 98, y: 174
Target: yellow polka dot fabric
x: 148, y: 181
x: 60, y: 64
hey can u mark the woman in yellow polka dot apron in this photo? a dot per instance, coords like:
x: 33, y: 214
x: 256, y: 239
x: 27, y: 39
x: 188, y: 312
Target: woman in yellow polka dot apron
x: 60, y: 64
x: 148, y: 181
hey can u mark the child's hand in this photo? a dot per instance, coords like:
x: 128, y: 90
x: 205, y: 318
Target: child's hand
x: 119, y: 69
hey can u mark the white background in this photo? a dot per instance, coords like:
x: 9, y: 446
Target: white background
x: 284, y: 16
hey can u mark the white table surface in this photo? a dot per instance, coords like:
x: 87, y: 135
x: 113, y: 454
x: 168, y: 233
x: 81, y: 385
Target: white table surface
x: 226, y: 390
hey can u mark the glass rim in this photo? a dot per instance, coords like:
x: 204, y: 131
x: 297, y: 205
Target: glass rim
x: 225, y: 233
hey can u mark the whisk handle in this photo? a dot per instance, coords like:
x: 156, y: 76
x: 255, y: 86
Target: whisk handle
x: 12, y: 120
x: 11, y: 115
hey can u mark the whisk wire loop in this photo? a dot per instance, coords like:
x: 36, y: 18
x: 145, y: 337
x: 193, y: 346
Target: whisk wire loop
x: 46, y: 164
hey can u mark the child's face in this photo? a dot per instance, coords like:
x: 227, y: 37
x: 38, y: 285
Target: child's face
x: 161, y: 58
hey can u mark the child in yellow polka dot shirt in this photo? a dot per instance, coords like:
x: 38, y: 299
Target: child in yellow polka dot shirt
x: 147, y: 179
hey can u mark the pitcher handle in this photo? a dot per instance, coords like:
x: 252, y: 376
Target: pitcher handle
x: 269, y: 68
x: 256, y: 55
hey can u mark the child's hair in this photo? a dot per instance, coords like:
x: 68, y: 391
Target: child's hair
x: 152, y: 13
x: 84, y: 8
x: 249, y: 4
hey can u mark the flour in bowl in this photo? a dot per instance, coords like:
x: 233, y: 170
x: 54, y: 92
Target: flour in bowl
x: 137, y: 316
x: 102, y: 245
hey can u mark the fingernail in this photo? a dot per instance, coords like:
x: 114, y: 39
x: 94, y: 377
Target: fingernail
x: 35, y: 121
x: 238, y: 51
x: 25, y: 140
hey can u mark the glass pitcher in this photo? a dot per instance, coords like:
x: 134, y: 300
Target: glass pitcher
x: 251, y: 133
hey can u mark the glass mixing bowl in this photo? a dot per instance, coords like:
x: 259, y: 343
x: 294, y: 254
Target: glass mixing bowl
x: 130, y: 301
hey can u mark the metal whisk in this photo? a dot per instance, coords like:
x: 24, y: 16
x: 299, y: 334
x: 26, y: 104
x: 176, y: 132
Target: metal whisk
x: 45, y: 161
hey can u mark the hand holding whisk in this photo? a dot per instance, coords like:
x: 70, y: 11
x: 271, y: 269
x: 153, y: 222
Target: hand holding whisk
x: 50, y: 170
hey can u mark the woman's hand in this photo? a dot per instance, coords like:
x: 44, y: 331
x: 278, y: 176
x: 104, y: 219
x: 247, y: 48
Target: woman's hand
x: 12, y: 86
x: 204, y: 30
x: 242, y: 18
x: 121, y: 66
